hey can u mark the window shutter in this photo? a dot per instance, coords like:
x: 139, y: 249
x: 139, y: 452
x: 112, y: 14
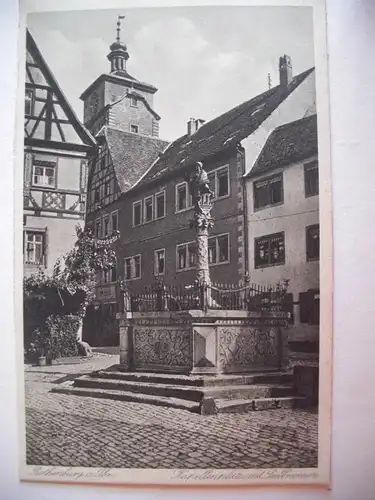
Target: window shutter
x: 83, y: 180
x: 314, y: 307
x: 45, y: 248
x: 304, y: 307
x: 289, y: 307
x: 28, y: 167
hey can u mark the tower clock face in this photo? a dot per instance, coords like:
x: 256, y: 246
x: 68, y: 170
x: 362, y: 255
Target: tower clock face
x: 94, y: 103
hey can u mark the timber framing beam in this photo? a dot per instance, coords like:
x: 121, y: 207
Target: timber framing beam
x: 65, y: 146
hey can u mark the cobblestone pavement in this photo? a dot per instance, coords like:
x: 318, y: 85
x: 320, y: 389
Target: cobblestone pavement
x: 70, y: 430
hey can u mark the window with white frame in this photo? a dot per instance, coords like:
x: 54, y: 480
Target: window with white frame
x: 134, y: 102
x: 186, y: 256
x: 137, y: 213
x: 114, y: 272
x: 29, y: 102
x: 133, y: 267
x: 183, y: 197
x: 96, y: 195
x: 160, y: 205
x: 311, y: 173
x: 106, y: 276
x: 219, y: 182
x: 159, y: 262
x: 148, y: 209
x: 114, y: 221
x: 44, y: 173
x: 106, y: 225
x: 312, y: 242
x: 218, y: 249
x: 268, y: 191
x: 110, y: 275
x: 34, y: 251
x: 107, y: 187
x: 270, y: 250
x: 98, y: 228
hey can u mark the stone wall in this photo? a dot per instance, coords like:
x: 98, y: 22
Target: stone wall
x: 204, y: 343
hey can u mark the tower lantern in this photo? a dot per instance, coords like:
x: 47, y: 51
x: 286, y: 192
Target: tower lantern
x: 119, y: 52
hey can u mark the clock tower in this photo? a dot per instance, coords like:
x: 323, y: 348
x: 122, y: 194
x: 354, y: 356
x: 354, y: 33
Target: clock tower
x: 118, y: 100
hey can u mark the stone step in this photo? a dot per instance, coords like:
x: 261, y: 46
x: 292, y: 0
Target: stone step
x: 274, y: 377
x: 117, y: 395
x: 191, y: 393
x: 252, y: 391
x: 247, y: 405
x: 208, y: 406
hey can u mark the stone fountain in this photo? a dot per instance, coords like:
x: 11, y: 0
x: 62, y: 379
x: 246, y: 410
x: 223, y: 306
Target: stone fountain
x: 205, y: 359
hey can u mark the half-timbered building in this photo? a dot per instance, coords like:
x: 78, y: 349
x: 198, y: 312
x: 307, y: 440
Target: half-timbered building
x: 57, y: 148
x: 119, y: 111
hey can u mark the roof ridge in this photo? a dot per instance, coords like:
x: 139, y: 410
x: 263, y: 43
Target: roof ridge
x: 294, y: 123
x: 271, y: 155
x: 132, y: 134
x: 223, y: 131
x: 262, y: 95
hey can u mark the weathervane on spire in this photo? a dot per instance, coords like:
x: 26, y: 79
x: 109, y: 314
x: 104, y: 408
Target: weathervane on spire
x: 119, y: 27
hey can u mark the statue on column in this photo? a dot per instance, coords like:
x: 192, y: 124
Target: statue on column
x: 202, y: 198
x: 202, y: 221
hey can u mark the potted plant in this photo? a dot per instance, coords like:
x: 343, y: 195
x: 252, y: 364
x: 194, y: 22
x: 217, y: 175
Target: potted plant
x: 41, y: 359
x: 41, y: 346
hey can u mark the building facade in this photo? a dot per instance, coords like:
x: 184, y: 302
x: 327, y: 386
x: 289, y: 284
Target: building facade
x: 138, y: 183
x: 57, y: 149
x: 283, y: 221
x: 118, y: 110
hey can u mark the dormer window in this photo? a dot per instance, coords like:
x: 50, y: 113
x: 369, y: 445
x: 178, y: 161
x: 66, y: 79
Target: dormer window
x: 134, y: 129
x: 134, y: 102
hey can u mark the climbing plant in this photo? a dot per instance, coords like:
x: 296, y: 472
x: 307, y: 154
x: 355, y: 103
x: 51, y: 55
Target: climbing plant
x: 70, y: 288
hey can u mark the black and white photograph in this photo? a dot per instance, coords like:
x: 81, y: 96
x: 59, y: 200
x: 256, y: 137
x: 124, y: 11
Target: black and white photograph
x: 176, y: 255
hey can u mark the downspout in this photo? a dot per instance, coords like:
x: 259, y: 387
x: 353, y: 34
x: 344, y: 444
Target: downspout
x: 241, y: 151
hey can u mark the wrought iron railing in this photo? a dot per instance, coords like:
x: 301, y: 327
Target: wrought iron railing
x: 162, y: 297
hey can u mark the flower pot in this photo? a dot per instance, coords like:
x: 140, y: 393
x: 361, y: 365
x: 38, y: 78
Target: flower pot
x: 41, y: 361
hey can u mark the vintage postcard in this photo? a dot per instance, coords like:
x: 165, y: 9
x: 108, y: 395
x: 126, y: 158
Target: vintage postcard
x: 173, y: 244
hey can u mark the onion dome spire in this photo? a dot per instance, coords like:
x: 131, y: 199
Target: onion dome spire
x: 119, y: 52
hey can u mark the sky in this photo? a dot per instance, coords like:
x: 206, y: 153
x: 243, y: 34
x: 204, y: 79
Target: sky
x: 203, y: 60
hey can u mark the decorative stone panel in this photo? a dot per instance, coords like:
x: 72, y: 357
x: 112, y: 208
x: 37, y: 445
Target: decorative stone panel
x: 168, y: 348
x: 198, y: 342
x: 249, y: 348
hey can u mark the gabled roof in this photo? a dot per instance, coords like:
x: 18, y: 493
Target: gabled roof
x: 288, y: 144
x: 132, y: 154
x: 129, y: 93
x: 222, y: 132
x: 140, y: 97
x: 82, y: 132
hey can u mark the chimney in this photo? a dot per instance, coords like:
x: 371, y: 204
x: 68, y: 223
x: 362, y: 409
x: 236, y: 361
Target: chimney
x: 194, y: 124
x: 191, y: 126
x: 285, y: 70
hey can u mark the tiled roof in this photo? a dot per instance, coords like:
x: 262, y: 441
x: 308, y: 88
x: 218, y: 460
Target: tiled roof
x: 132, y: 155
x: 288, y: 144
x: 222, y: 132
